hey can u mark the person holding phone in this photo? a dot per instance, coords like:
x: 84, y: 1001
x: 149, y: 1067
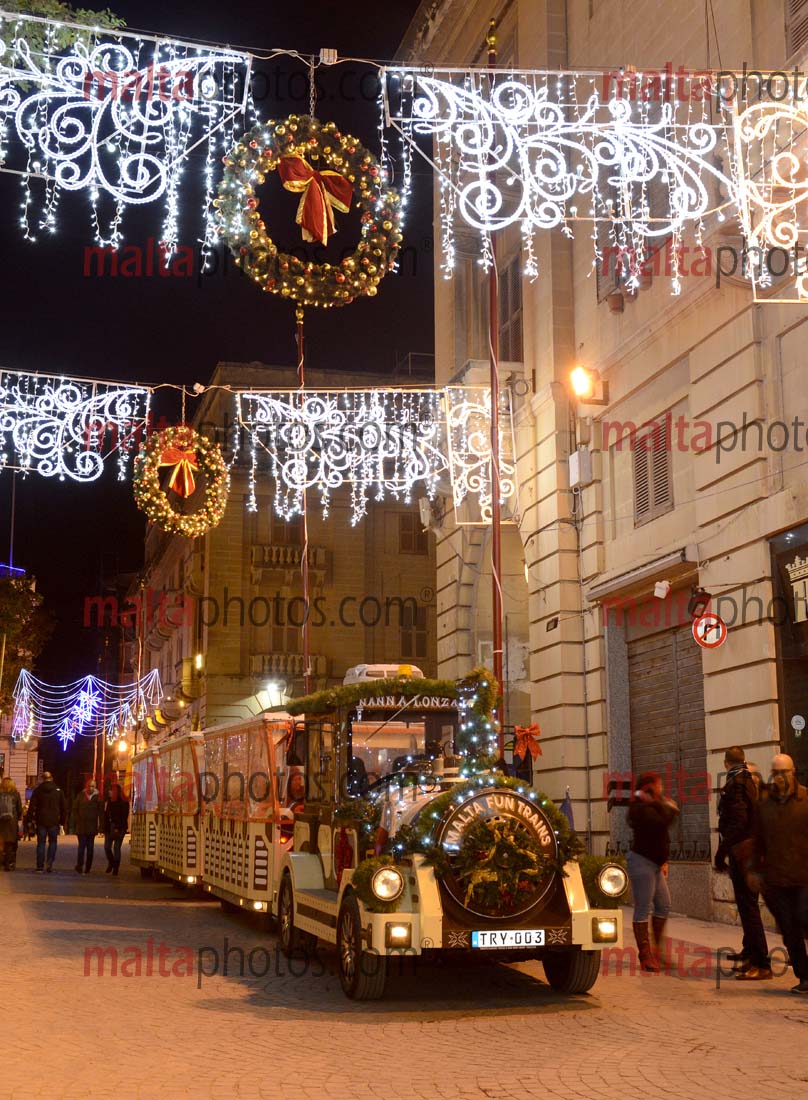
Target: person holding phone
x: 650, y: 815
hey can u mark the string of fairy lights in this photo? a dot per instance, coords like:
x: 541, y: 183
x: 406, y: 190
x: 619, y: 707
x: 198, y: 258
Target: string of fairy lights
x: 83, y: 708
x: 380, y: 443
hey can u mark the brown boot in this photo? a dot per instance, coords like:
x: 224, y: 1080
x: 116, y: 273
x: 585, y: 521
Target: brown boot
x: 647, y: 959
x: 662, y: 948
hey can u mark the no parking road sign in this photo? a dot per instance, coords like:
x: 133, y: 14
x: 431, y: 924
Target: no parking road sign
x: 709, y: 631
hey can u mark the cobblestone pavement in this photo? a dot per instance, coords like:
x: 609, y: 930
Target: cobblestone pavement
x: 450, y: 1031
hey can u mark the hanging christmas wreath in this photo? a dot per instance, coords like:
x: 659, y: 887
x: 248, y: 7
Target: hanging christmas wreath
x: 327, y: 168
x: 183, y: 452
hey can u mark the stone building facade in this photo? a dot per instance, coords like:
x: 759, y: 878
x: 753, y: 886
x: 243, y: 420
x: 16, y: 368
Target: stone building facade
x: 615, y: 679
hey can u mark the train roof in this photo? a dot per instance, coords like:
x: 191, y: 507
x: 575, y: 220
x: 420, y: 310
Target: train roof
x: 383, y: 691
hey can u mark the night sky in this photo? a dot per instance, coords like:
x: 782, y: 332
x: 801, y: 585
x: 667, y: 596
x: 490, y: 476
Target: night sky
x: 155, y: 329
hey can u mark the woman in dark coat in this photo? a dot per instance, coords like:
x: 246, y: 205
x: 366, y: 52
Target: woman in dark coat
x: 650, y: 815
x: 116, y: 821
x: 10, y: 816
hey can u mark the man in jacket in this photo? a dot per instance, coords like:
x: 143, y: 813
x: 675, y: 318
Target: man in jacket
x: 47, y: 808
x: 780, y: 859
x: 87, y: 815
x: 736, y: 815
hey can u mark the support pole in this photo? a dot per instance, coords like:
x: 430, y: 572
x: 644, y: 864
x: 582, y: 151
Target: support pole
x: 304, y: 560
x: 496, y: 530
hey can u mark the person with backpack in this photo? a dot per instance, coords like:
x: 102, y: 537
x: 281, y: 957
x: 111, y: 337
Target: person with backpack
x: 736, y: 818
x: 10, y: 814
x: 48, y: 811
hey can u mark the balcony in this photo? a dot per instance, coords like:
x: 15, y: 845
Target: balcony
x: 269, y: 563
x: 286, y: 665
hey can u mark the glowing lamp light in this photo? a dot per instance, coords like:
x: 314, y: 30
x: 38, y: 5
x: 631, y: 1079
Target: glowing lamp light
x: 123, y: 745
x: 588, y: 387
x: 582, y: 382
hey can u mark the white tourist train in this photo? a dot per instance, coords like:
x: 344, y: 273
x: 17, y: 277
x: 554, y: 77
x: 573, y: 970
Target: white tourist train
x: 348, y: 819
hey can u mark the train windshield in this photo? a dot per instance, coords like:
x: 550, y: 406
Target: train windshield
x: 383, y: 743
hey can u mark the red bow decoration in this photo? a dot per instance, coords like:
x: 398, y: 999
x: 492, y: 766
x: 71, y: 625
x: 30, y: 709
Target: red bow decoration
x: 527, y: 741
x: 184, y: 463
x: 321, y: 193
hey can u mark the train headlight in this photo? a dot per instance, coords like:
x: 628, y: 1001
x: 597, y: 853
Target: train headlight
x: 612, y: 880
x: 387, y: 884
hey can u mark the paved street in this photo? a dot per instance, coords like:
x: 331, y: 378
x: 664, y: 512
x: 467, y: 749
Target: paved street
x: 449, y: 1031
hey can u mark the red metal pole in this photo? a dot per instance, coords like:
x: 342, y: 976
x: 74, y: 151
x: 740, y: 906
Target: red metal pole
x: 496, y: 532
x: 304, y: 561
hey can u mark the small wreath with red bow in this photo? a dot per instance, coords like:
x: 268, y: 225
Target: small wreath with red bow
x: 328, y: 169
x: 184, y: 453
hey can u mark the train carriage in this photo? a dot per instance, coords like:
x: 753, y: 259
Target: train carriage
x: 179, y: 847
x: 350, y: 818
x: 145, y: 804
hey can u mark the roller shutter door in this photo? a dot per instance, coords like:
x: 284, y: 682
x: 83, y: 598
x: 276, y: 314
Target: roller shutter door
x: 666, y: 708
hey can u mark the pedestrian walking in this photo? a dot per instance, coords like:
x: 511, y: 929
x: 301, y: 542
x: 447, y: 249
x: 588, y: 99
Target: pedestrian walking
x: 779, y: 862
x: 10, y: 815
x: 88, y: 820
x: 736, y: 817
x: 47, y: 810
x: 116, y: 820
x: 650, y: 815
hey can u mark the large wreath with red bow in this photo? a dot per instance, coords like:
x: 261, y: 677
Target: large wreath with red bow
x: 329, y: 170
x: 193, y: 467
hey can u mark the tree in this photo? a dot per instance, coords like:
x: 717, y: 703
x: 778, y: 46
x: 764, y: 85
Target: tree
x: 24, y: 627
x: 62, y: 13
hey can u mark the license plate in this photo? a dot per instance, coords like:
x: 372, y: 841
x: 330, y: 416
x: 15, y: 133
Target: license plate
x: 509, y: 937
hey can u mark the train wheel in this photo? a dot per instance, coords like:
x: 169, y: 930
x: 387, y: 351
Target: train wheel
x: 573, y: 970
x: 293, y: 942
x: 363, y: 974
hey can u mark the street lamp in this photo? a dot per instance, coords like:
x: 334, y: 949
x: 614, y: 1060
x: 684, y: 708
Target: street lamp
x: 586, y: 383
x: 123, y: 746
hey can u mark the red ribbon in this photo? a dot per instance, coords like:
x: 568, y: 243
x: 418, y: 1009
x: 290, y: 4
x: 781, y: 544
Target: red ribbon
x: 321, y: 193
x: 527, y: 741
x: 184, y: 463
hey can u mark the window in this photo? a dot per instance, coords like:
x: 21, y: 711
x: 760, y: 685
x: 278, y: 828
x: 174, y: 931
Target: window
x: 653, y: 492
x: 510, y: 312
x: 286, y: 532
x: 412, y: 538
x: 796, y: 26
x: 287, y: 639
x: 413, y: 631
x: 470, y: 302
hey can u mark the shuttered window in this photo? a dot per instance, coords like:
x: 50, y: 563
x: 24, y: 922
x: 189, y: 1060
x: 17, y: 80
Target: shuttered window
x: 653, y: 489
x: 510, y: 312
x: 796, y: 26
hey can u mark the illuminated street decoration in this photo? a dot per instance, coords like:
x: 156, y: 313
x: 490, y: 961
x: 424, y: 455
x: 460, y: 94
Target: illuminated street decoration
x: 549, y: 150
x: 772, y: 191
x: 82, y: 708
x: 114, y: 114
x: 68, y: 427
x: 382, y: 443
x: 640, y: 157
